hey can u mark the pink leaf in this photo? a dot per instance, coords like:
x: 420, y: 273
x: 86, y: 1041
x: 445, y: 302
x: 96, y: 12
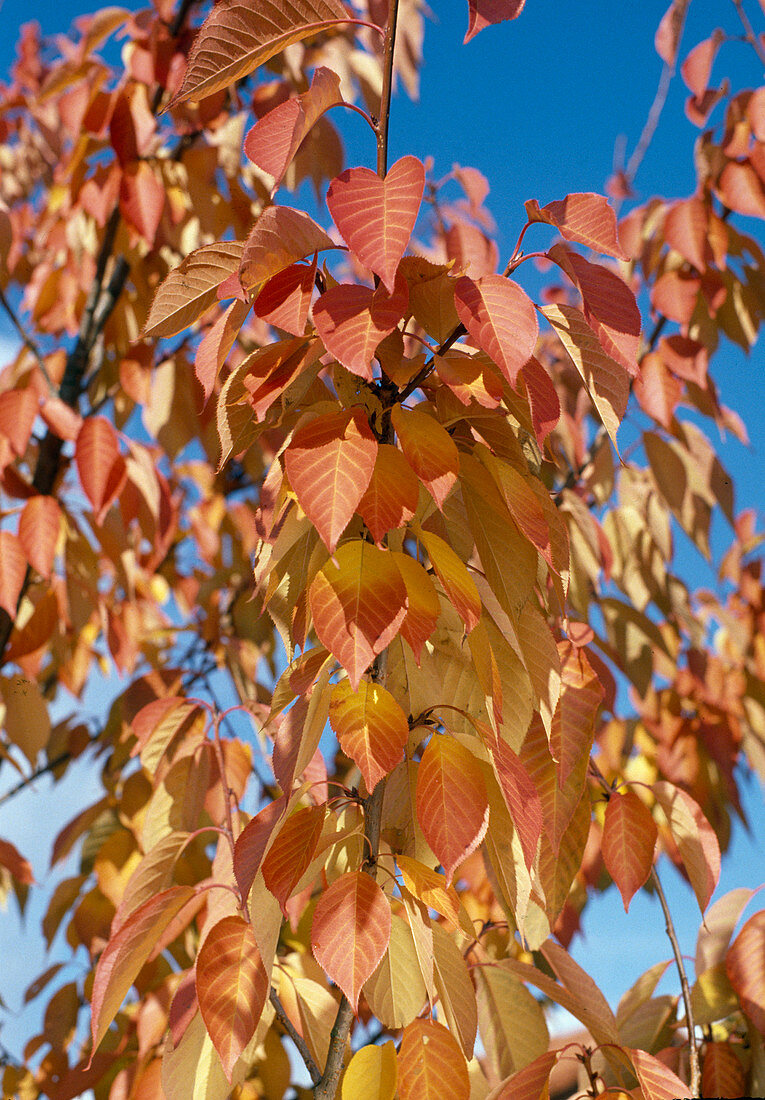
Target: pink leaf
x: 585, y: 218
x: 500, y: 317
x: 352, y: 320
x: 485, y: 12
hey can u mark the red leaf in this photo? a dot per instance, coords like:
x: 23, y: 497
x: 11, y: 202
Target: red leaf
x: 629, y: 838
x: 253, y: 841
x: 531, y: 1082
x: 371, y: 728
x: 740, y: 188
x: 542, y: 397
x: 329, y: 463
x: 501, y: 318
x: 99, y: 463
x: 657, y: 1081
x: 585, y: 218
x: 13, y: 568
x: 39, y: 527
x: 275, y: 138
x: 358, y: 605
x: 695, y: 838
x: 723, y: 1073
x: 18, y: 409
x: 431, y: 1065
x: 608, y: 303
x: 391, y: 497
x: 217, y: 343
x: 142, y: 199
x: 13, y: 861
x: 520, y: 795
x: 452, y: 803
x: 485, y: 12
x: 279, y: 237
x: 232, y: 987
x: 429, y: 450
x: 574, y: 721
x: 352, y: 320
x: 291, y: 852
x: 126, y: 953
x: 236, y: 38
x: 745, y: 966
x: 376, y: 216
x: 685, y: 229
x: 285, y: 300
x: 667, y: 39
x: 351, y: 931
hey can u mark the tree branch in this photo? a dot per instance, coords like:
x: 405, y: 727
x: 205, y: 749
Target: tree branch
x: 297, y: 1038
x: 695, y: 1081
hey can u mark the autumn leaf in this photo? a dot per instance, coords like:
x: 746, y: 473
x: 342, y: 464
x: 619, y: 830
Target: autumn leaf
x: 291, y: 851
x: 657, y: 1081
x: 453, y: 575
x: 745, y: 966
x: 695, y: 838
x: 12, y: 860
x: 423, y: 607
x: 500, y: 317
x: 99, y: 464
x: 329, y: 462
x: 350, y: 931
x: 431, y: 1065
x: 371, y: 1074
x: 191, y: 288
x: 390, y: 498
x: 279, y: 237
x: 358, y: 602
x: 232, y: 987
x: 353, y: 320
x: 13, y: 567
x: 376, y: 216
x: 39, y: 528
x: 429, y: 450
x: 371, y: 727
x: 452, y: 805
x: 585, y: 218
x: 629, y: 838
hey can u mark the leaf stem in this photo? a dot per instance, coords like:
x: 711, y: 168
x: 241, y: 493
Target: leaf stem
x: 385, y: 94
x: 694, y: 1050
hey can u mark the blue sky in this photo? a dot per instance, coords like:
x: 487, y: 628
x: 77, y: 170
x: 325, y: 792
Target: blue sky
x: 537, y: 105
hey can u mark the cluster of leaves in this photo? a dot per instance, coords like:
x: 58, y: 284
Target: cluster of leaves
x: 450, y: 568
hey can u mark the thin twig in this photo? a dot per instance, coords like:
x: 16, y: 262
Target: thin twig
x: 385, y: 94
x: 751, y: 37
x: 297, y: 1038
x: 29, y: 780
x: 694, y: 1050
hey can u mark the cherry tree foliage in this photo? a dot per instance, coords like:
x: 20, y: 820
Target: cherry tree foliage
x: 340, y: 465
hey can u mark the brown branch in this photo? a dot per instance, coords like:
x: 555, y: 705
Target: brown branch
x: 695, y: 1082
x: 751, y: 37
x: 29, y: 780
x: 297, y: 1038
x: 387, y: 86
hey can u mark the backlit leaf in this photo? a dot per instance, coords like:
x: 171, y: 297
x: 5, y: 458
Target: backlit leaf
x: 629, y: 838
x: 279, y: 237
x: 716, y: 931
x: 142, y: 199
x: 695, y: 838
x: 371, y: 727
x: 12, y: 860
x: 453, y: 575
x: 232, y: 987
x: 530, y: 1083
x: 18, y: 409
x: 291, y: 851
x: 745, y: 965
x: 396, y: 992
x: 452, y: 804
x: 431, y: 1065
x: 485, y: 12
x: 391, y: 496
x: 573, y: 727
x: 191, y: 288
x: 39, y: 527
x: 657, y: 1081
x: 511, y: 1021
x: 376, y: 216
x: 358, y: 605
x: 606, y: 380
x: 351, y: 931
x: 253, y: 842
x: 285, y: 300
x: 99, y: 463
x: 500, y: 317
x: 429, y: 450
x: 275, y: 138
x: 520, y: 795
x: 456, y: 992
x: 235, y: 39
x: 13, y: 568
x: 423, y: 608
x: 125, y: 954
x: 586, y: 218
x: 723, y: 1073
x: 352, y: 320
x: 371, y: 1074
x: 329, y: 463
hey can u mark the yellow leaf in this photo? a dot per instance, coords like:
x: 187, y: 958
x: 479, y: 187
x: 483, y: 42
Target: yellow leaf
x: 371, y: 1074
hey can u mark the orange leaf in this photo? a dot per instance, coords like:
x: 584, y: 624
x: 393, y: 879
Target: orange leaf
x: 391, y: 497
x: 452, y: 804
x: 542, y: 397
x: 371, y: 727
x: 232, y: 987
x: 358, y: 605
x: 520, y: 795
x: 573, y: 727
x: 352, y: 320
x: 429, y: 450
x: 275, y: 138
x: 13, y: 568
x: 559, y: 801
x: 453, y: 575
x: 99, y: 463
x: 429, y: 887
x: 530, y: 1083
x: 657, y: 1081
x: 629, y: 838
x: 253, y: 841
x: 501, y: 318
x: 351, y: 931
x: 279, y: 237
x: 236, y: 38
x: 584, y: 217
x: 191, y: 288
x: 745, y: 966
x: 18, y: 409
x: 142, y: 199
x: 685, y: 229
x: 376, y: 216
x: 695, y: 838
x: 13, y: 861
x: 431, y: 1065
x: 608, y: 303
x: 285, y: 300
x: 39, y: 526
x: 329, y: 463
x: 126, y: 953
x: 291, y: 852
x: 423, y: 609
x: 217, y: 343
x: 723, y: 1073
